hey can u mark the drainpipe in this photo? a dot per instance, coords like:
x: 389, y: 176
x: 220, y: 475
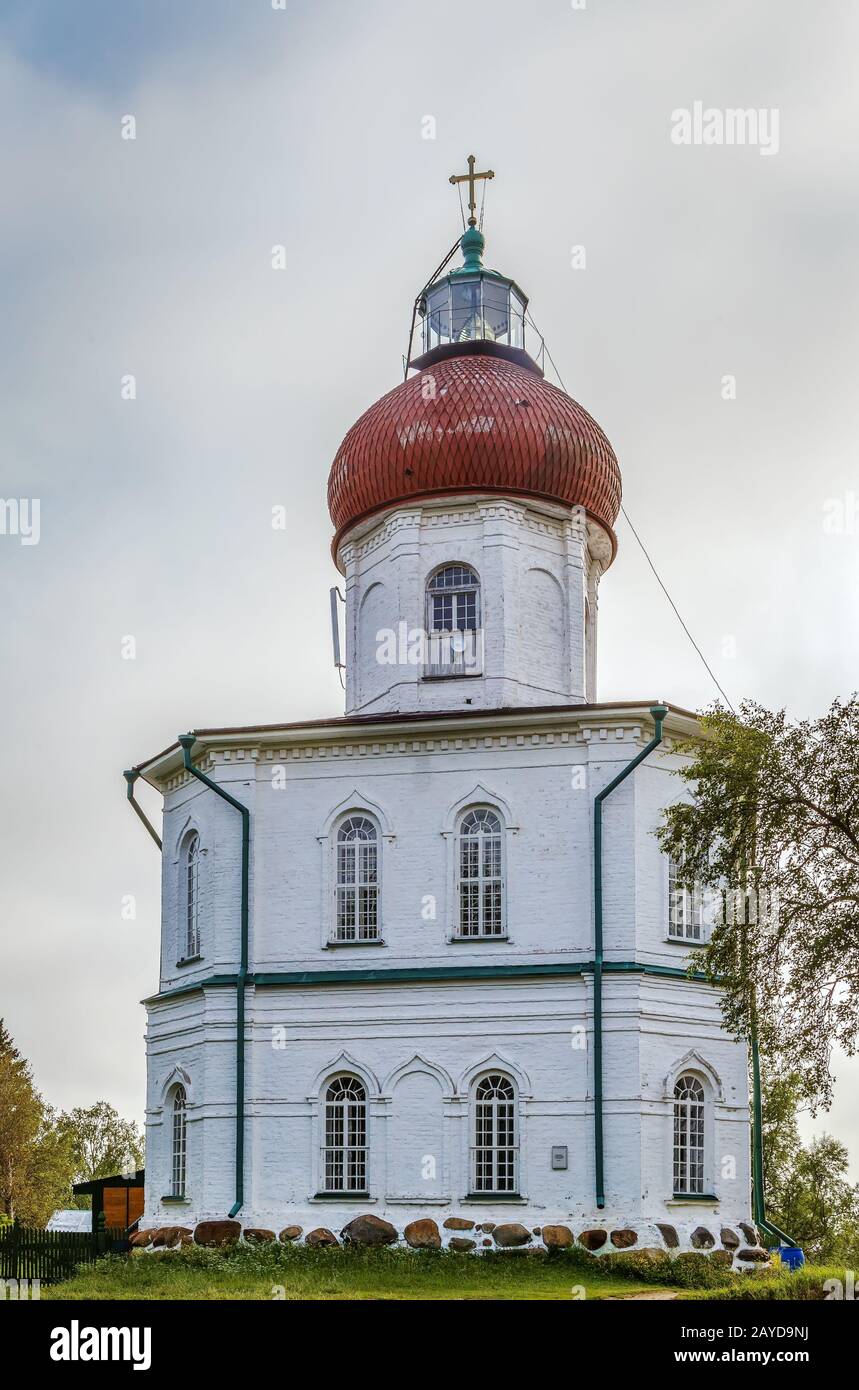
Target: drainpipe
x: 658, y: 713
x: 187, y: 742
x: 758, y: 1194
x: 130, y: 779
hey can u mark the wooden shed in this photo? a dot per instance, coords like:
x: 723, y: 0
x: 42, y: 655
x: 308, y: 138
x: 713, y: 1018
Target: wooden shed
x: 120, y: 1198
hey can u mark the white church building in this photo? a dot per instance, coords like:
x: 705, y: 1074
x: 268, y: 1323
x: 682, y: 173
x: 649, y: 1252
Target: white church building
x: 426, y: 962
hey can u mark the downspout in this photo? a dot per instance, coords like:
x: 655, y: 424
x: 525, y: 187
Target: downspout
x: 187, y: 742
x: 658, y: 713
x: 130, y: 779
x: 758, y: 1194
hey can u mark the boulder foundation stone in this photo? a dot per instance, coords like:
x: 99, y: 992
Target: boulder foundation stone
x: 320, y: 1237
x: 215, y: 1233
x: 511, y: 1234
x: 623, y: 1239
x: 702, y: 1239
x: 423, y: 1234
x: 593, y: 1239
x: 557, y: 1237
x: 369, y: 1230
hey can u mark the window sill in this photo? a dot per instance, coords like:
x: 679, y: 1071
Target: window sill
x: 513, y: 1197
x: 419, y: 1200
x: 368, y: 941
x: 682, y: 1199
x: 342, y: 1197
x: 685, y: 941
x: 176, y: 1201
x: 452, y: 676
x: 188, y: 960
x: 476, y: 940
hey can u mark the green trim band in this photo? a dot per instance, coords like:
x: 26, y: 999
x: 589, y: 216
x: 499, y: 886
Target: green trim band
x: 428, y: 974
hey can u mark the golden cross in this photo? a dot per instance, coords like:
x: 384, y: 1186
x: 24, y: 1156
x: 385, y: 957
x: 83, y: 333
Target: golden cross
x: 471, y: 178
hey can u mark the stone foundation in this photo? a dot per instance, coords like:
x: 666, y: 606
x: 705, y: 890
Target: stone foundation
x: 655, y: 1241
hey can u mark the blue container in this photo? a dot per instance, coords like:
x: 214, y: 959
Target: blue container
x: 792, y: 1256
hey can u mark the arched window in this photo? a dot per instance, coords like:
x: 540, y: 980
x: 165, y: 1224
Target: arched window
x: 689, y: 1134
x: 495, y: 1143
x: 481, y: 874
x: 179, y: 1150
x: 191, y: 896
x: 344, y: 1153
x: 357, y: 886
x: 453, y: 622
x: 686, y: 907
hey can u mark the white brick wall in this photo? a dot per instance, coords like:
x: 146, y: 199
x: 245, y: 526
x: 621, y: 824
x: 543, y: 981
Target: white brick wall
x: 537, y: 564
x: 419, y: 1043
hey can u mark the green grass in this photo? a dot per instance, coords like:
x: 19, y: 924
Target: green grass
x: 252, y: 1273
x: 806, y: 1285
x: 267, y: 1272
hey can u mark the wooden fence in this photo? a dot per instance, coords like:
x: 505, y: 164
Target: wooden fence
x: 28, y: 1253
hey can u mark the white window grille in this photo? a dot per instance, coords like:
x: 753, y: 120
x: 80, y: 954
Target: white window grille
x: 686, y: 908
x: 688, y: 1135
x: 357, y: 888
x: 177, y: 1180
x: 344, y: 1153
x: 192, y: 896
x: 495, y: 1144
x: 454, y: 635
x: 481, y: 874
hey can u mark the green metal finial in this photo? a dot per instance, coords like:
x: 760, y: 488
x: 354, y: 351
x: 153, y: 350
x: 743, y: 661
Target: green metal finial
x: 472, y: 244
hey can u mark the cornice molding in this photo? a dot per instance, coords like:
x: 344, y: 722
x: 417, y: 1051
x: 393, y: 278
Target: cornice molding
x: 424, y: 733
x: 368, y: 749
x: 547, y: 519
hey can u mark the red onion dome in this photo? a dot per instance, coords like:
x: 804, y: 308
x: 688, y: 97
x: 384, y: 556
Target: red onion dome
x: 474, y: 423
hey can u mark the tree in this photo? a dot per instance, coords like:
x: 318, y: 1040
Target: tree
x: 780, y: 1099
x: 102, y: 1143
x: 819, y: 1204
x: 20, y: 1116
x: 35, y: 1158
x: 773, y: 829
x: 808, y: 1192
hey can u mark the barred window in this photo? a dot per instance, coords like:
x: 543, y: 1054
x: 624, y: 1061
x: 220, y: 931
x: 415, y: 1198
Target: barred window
x: 177, y: 1179
x: 481, y: 874
x: 686, y: 910
x: 344, y: 1154
x: 357, y: 890
x: 191, y: 875
x: 688, y: 1135
x: 495, y: 1144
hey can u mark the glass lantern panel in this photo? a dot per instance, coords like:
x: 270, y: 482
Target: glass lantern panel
x: 496, y: 311
x: 517, y: 320
x: 437, y: 321
x: 466, y: 322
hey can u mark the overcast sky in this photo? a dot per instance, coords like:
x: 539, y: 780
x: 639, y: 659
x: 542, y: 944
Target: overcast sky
x: 303, y: 127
